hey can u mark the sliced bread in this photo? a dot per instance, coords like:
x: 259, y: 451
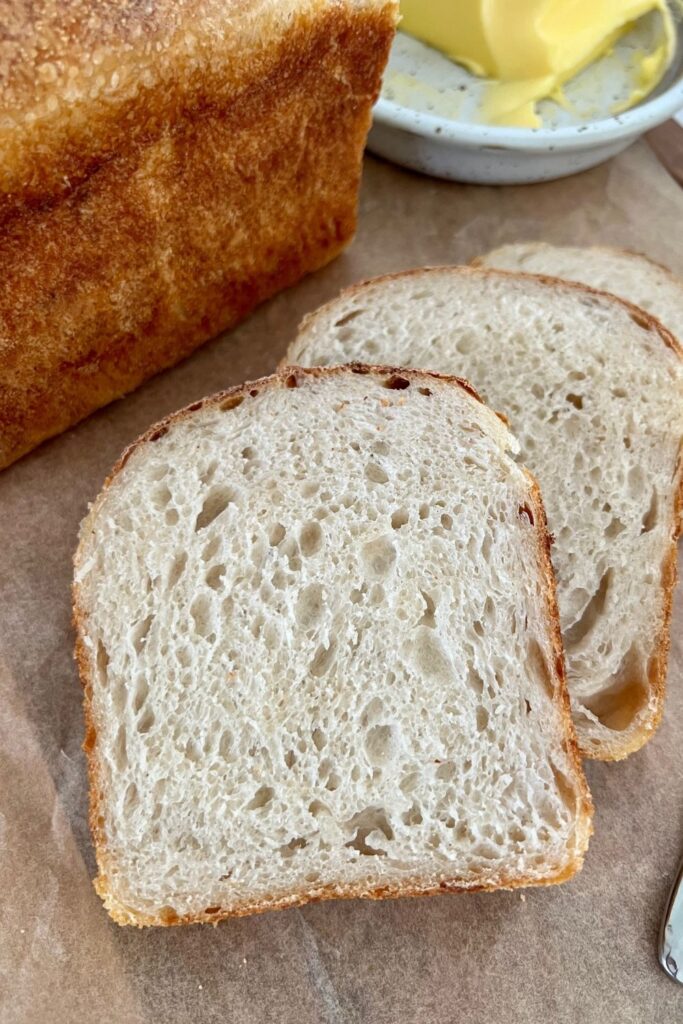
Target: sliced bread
x: 593, y: 388
x: 319, y: 642
x: 629, y: 275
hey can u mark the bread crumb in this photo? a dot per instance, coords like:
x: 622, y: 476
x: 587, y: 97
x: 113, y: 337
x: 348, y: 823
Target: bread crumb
x: 522, y: 897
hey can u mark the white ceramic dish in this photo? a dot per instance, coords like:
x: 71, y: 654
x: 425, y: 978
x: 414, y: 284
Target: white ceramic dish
x: 426, y: 117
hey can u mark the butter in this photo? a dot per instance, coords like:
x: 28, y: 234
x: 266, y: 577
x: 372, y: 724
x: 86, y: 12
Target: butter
x: 530, y: 48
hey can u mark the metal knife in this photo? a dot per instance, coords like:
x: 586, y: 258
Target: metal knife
x: 671, y: 934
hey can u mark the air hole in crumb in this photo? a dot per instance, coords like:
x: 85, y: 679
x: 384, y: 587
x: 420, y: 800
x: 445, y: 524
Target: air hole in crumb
x: 650, y: 517
x: 590, y: 615
x: 214, y: 577
x: 102, y: 662
x: 397, y: 383
x: 525, y: 512
x: 146, y: 721
x: 310, y: 539
x: 290, y: 758
x: 140, y: 694
x: 209, y: 473
x: 211, y: 549
x: 261, y: 798
x: 309, y: 606
x: 161, y: 497
x: 619, y: 705
x: 375, y: 473
x: 428, y: 618
x: 216, y: 502
x: 482, y: 719
x: 231, y: 402
x: 527, y: 706
x: 292, y: 381
x: 575, y: 400
x: 381, y: 744
x: 334, y: 781
x: 322, y: 660
x: 425, y: 391
x: 225, y: 745
x: 466, y: 343
x: 399, y: 518
x: 192, y: 751
x: 614, y: 528
x: 349, y: 317
x: 446, y: 521
x: 413, y: 816
x: 319, y: 739
x: 290, y: 848
x: 372, y: 712
x: 131, y: 799
x: 423, y: 511
x: 430, y: 656
x: 475, y: 681
x: 317, y: 807
x: 200, y: 610
x: 636, y: 481
x: 370, y: 823
x: 276, y: 535
x: 379, y: 557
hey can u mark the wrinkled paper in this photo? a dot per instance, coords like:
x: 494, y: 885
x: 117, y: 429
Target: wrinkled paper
x: 585, y: 951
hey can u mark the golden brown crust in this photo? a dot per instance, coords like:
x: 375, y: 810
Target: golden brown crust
x: 213, y: 915
x: 229, y: 399
x: 149, y: 249
x: 646, y: 724
x: 81, y: 81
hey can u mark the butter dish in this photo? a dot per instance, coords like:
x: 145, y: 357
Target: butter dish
x: 428, y: 116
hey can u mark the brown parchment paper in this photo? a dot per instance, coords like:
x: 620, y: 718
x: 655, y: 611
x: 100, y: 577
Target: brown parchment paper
x: 583, y: 952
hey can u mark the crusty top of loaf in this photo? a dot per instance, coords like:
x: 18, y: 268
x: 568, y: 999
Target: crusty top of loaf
x: 72, y: 68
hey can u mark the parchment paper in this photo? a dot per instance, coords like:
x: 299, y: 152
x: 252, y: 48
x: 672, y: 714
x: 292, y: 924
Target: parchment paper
x: 579, y: 952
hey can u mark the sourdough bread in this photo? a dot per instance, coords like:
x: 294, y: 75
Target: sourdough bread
x: 319, y: 642
x: 593, y: 388
x: 629, y: 275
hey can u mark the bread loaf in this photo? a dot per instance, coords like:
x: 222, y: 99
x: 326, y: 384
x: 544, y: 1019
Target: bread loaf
x: 319, y: 642
x: 163, y: 168
x: 593, y: 388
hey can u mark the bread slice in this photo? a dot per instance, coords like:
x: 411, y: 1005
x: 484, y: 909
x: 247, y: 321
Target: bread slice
x: 165, y: 166
x: 629, y: 275
x: 593, y: 388
x: 319, y: 642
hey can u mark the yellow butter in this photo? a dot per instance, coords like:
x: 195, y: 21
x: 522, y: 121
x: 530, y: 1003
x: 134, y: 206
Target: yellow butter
x: 530, y: 48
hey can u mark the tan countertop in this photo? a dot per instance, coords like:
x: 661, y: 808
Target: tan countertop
x: 583, y: 952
